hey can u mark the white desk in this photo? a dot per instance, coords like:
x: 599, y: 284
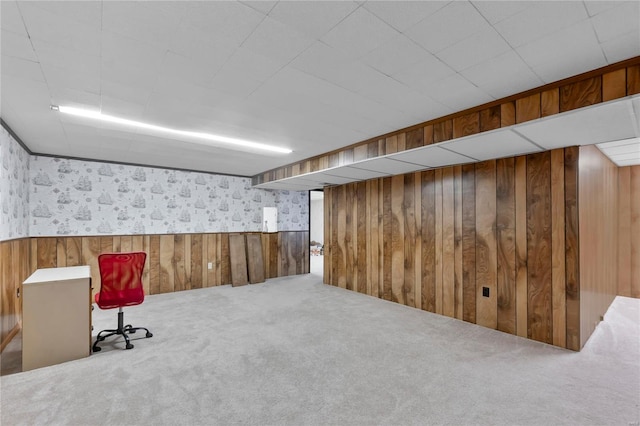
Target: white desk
x: 56, y: 316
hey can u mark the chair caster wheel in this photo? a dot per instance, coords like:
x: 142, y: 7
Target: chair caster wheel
x: 97, y: 349
x: 149, y: 334
x: 129, y: 346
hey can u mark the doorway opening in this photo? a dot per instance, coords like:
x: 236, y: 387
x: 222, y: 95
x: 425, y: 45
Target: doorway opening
x: 316, y: 232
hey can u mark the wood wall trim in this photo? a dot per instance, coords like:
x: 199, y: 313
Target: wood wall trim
x: 600, y: 85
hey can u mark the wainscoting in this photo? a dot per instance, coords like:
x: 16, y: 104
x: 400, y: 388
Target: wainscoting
x: 493, y: 243
x: 174, y: 263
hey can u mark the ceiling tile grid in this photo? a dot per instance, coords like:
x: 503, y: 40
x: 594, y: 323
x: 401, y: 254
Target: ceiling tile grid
x: 312, y: 76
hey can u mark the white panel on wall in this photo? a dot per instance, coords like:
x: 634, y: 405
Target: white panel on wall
x: 14, y: 188
x: 72, y: 197
x: 270, y: 219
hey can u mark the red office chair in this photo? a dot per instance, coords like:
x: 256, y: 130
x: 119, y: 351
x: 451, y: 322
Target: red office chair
x: 120, y: 285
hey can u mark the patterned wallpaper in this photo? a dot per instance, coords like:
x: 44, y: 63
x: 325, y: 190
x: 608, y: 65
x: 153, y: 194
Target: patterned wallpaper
x: 72, y: 197
x: 14, y: 188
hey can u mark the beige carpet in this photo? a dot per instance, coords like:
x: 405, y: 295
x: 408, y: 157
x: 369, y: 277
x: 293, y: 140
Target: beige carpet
x: 293, y: 351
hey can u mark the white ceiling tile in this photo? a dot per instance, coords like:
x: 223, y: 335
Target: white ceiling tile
x: 486, y: 146
x: 496, y: 11
x: 618, y: 21
x: 122, y: 75
x: 11, y: 18
x: 558, y: 56
x: 136, y: 20
x: 473, y: 50
x: 624, y: 47
x: 262, y: 6
x: 355, y: 173
x: 388, y: 166
x: 87, y: 12
x: 330, y: 179
x: 24, y: 69
x: 196, y: 43
x: 314, y: 19
x: 17, y: 46
x: 71, y: 78
x: 457, y: 93
x: 59, y: 30
x: 449, y: 25
x: 359, y: 33
x: 276, y: 40
x: 402, y: 15
x: 59, y: 57
x: 433, y: 156
x: 180, y: 67
x: 425, y: 72
x: 626, y: 151
x: 625, y: 163
x: 623, y: 143
x: 596, y: 124
x: 122, y: 108
x: 395, y: 55
x: 595, y: 7
x: 503, y: 75
x: 539, y: 20
x: 232, y: 20
x: 136, y: 53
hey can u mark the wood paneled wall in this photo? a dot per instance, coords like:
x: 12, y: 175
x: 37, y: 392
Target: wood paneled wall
x: 15, y: 267
x: 174, y: 262
x: 435, y: 239
x: 598, y: 217
x: 629, y: 231
x: 604, y: 84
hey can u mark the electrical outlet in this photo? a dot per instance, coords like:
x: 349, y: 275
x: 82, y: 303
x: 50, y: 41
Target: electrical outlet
x: 485, y: 291
x: 210, y: 265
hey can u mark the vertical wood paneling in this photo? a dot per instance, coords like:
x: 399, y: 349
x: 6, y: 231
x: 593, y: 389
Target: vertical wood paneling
x: 90, y: 252
x: 486, y: 251
x: 633, y: 80
x: 448, y: 243
x: 506, y: 244
x: 508, y: 114
x: 146, y: 247
x: 361, y: 232
x: 581, y: 94
x: 225, y: 265
x: 47, y: 253
x: 539, y: 246
x: 397, y: 240
x: 465, y: 125
x: 409, y: 240
x: 438, y: 240
x: 74, y: 251
x: 179, y: 280
x: 469, y: 243
x: 350, y: 236
x: 387, y: 239
x: 428, y: 234
x: 15, y: 267
x: 572, y: 247
x: 635, y: 231
x: 61, y: 252
x: 374, y: 230
x: 213, y: 275
x: 417, y: 240
x: 238, y: 259
x: 167, y: 263
x: 197, y: 252
x: 550, y: 102
x: 328, y: 242
x: 522, y: 298
x: 490, y: 118
x: 414, y: 138
x: 558, y: 275
x: 624, y: 231
x: 442, y: 131
x: 614, y: 85
x: 341, y: 237
x: 154, y: 264
x: 528, y: 108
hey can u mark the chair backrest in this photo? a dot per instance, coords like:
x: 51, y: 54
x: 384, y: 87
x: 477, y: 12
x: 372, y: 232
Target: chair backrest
x: 120, y: 279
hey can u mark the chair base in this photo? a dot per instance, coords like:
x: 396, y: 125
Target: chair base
x: 122, y: 330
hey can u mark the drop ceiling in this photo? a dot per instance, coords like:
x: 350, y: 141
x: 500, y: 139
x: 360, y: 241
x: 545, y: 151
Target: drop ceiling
x: 310, y: 76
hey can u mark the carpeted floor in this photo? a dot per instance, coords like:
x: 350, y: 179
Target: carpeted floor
x: 293, y: 351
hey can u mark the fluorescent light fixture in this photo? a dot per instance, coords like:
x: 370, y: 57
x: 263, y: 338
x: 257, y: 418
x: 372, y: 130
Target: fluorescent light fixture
x: 95, y: 115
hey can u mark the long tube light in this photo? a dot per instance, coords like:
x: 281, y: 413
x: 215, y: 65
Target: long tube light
x: 95, y: 115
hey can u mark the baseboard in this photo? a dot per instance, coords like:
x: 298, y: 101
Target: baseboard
x: 10, y: 336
